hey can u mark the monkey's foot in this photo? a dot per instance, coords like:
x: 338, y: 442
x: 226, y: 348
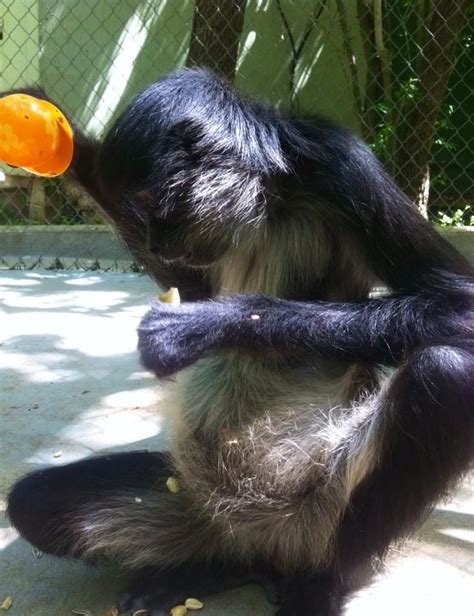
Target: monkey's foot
x: 152, y: 591
x: 157, y: 592
x: 311, y: 594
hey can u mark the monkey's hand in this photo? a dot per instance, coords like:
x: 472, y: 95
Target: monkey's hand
x: 171, y: 338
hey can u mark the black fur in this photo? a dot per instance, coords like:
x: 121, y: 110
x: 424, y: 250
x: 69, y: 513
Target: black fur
x: 429, y: 412
x: 378, y: 330
x: 42, y: 501
x: 188, y: 172
x: 42, y: 505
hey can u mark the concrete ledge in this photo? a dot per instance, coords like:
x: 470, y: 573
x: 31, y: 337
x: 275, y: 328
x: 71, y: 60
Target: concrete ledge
x: 463, y: 239
x: 57, y: 241
x: 98, y: 243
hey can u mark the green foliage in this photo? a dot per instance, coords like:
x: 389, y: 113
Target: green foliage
x: 383, y: 131
x: 409, y: 90
x: 461, y: 217
x: 451, y: 149
x: 388, y: 114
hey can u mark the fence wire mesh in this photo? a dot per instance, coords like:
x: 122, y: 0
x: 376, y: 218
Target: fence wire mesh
x: 400, y: 73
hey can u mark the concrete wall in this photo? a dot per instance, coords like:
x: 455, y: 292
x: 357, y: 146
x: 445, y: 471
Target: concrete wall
x: 19, y: 47
x: 95, y: 57
x: 322, y: 79
x: 97, y: 54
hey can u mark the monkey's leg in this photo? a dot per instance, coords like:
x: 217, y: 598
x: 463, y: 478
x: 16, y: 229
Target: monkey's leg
x: 427, y: 443
x: 119, y: 507
x: 420, y: 436
x: 43, y: 504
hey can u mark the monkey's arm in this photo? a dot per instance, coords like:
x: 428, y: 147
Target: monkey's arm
x: 380, y: 330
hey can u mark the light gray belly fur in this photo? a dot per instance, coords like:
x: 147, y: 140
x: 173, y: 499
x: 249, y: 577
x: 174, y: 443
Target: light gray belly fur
x: 270, y: 454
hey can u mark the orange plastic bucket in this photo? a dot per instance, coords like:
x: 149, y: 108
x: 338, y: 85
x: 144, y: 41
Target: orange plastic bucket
x: 35, y: 135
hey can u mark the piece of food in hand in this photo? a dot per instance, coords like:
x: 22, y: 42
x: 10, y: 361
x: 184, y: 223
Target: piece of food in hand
x: 35, y: 135
x: 172, y: 485
x: 171, y: 297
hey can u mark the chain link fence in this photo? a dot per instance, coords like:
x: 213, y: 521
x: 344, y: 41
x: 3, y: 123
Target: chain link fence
x: 400, y: 73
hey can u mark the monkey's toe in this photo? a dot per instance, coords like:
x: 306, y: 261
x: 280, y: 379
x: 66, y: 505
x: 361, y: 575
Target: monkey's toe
x: 153, y: 591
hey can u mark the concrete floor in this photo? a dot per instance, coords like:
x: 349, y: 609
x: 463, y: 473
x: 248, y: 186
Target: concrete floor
x: 71, y: 385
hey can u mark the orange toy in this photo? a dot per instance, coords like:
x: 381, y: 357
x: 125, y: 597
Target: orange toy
x: 35, y: 135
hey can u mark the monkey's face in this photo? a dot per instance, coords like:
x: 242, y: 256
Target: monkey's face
x: 197, y: 219
x: 180, y: 236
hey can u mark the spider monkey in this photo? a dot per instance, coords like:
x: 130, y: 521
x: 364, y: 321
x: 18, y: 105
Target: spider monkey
x: 312, y: 424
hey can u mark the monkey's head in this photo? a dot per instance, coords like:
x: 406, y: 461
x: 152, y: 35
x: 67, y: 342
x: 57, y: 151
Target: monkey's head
x: 190, y: 189
x: 189, y: 201
x: 197, y: 222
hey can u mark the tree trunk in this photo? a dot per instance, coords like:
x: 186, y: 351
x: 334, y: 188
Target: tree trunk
x: 215, y: 36
x: 368, y: 116
x: 415, y: 132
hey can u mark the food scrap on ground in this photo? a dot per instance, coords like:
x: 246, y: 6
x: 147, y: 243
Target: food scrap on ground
x: 179, y: 610
x: 6, y: 603
x: 172, y: 485
x: 193, y: 604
